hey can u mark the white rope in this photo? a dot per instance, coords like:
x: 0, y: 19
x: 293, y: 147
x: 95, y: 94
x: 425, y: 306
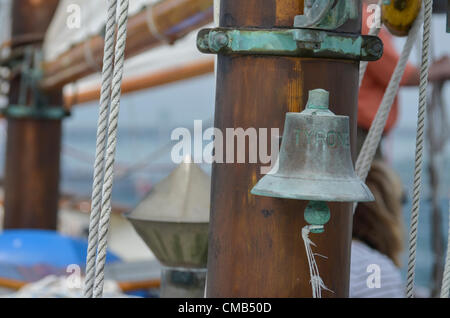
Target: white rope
x: 105, y: 98
x: 317, y: 283
x: 428, y: 11
x: 445, y: 291
x: 373, y: 139
x: 111, y: 147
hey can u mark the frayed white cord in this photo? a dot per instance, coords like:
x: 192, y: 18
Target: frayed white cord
x: 317, y: 283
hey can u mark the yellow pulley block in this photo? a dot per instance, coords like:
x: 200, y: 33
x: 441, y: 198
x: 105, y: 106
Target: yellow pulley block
x: 399, y: 15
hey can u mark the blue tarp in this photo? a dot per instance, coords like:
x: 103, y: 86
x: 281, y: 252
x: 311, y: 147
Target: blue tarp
x: 40, y: 247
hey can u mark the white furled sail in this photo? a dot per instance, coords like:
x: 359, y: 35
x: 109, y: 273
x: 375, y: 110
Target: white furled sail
x: 65, y: 30
x: 183, y: 52
x: 64, y: 33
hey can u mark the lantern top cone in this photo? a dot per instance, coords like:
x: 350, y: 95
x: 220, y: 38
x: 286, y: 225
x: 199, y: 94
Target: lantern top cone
x: 173, y: 219
x: 315, y: 160
x: 182, y: 197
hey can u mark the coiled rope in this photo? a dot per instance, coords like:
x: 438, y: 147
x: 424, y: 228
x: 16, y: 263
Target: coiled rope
x: 423, y: 88
x: 104, y: 163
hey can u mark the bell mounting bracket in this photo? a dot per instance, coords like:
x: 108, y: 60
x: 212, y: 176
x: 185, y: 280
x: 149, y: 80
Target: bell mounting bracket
x: 26, y: 61
x: 297, y: 42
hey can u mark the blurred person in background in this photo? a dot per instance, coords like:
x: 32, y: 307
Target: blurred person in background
x: 377, y: 226
x: 378, y: 235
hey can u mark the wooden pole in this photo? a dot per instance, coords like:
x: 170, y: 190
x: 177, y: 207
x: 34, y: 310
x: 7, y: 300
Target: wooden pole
x: 145, y: 81
x: 33, y: 145
x: 255, y: 246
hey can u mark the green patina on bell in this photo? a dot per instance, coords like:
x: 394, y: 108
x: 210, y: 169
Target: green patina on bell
x: 315, y: 161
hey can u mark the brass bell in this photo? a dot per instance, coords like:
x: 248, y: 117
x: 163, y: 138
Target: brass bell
x: 315, y: 161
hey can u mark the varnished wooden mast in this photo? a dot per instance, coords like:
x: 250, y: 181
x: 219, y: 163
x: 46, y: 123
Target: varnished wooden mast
x: 255, y: 247
x: 33, y: 145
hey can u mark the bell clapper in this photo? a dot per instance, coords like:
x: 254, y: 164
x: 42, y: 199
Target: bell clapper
x: 317, y: 214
